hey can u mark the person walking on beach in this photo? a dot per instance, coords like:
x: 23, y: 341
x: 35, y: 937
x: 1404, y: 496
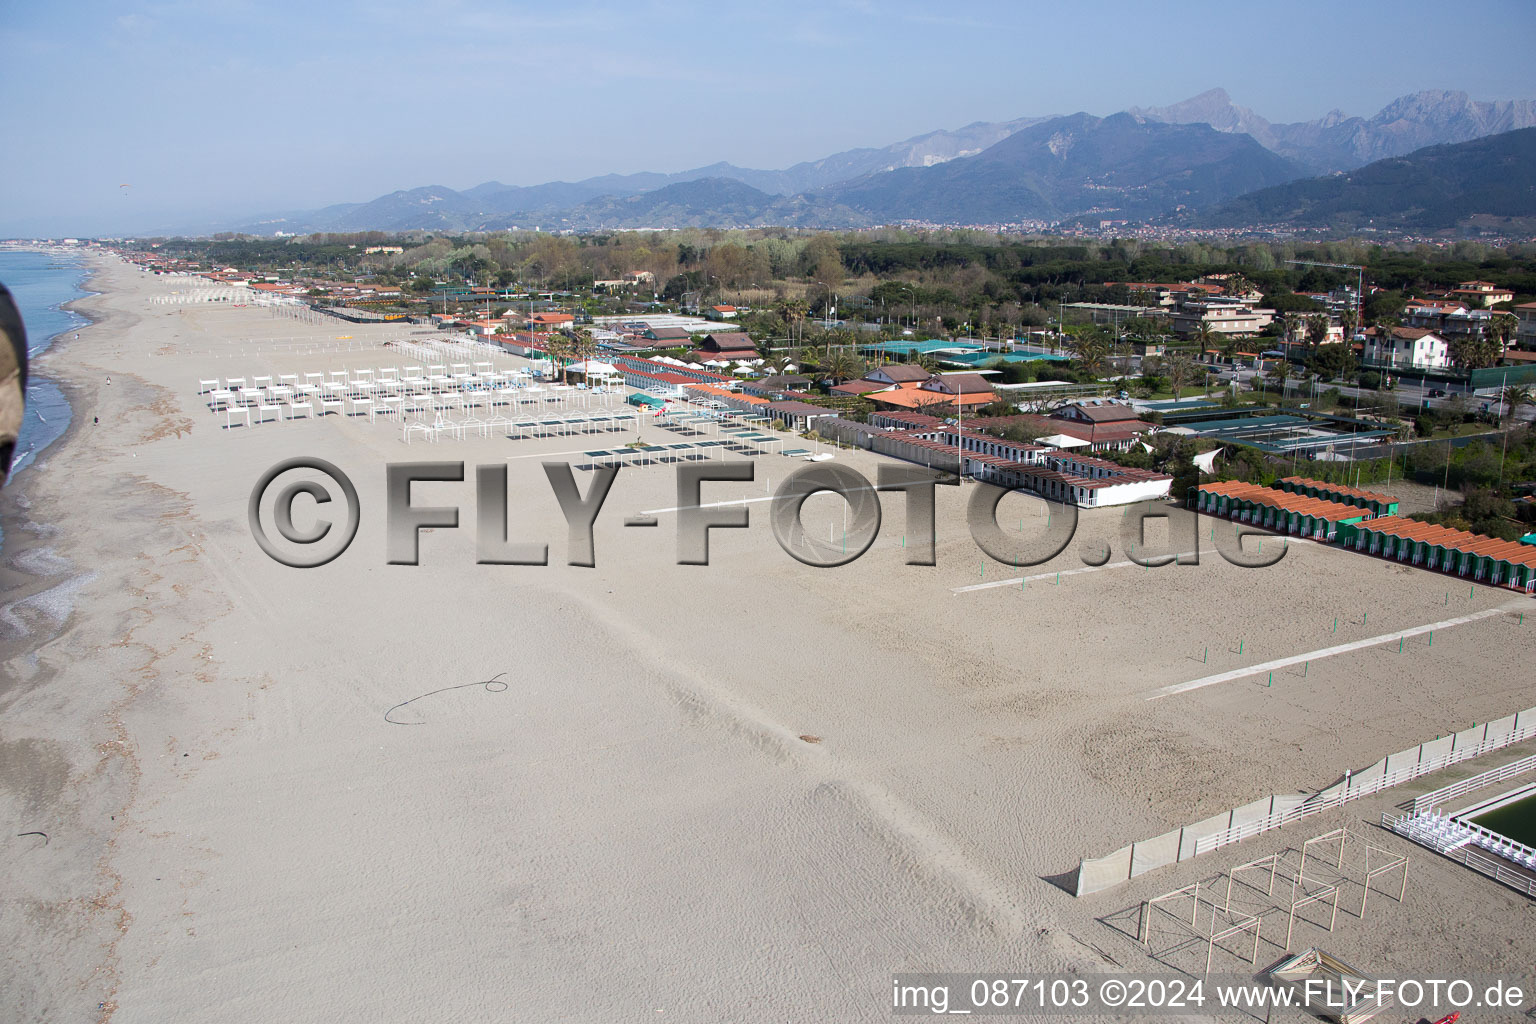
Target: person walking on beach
x: 13, y: 378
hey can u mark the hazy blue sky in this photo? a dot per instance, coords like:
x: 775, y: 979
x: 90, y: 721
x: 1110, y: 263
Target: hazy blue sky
x: 226, y: 109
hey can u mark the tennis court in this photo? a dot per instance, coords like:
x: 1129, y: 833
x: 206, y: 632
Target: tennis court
x: 1285, y: 433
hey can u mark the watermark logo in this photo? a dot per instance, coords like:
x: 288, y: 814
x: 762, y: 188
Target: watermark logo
x: 306, y: 548
x: 337, y: 512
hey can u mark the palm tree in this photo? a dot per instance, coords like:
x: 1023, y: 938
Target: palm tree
x: 1515, y: 395
x: 1289, y: 323
x: 1349, y: 319
x: 1237, y: 285
x: 780, y: 363
x: 927, y: 362
x: 583, y: 346
x: 1317, y: 326
x: 794, y: 312
x: 1471, y: 352
x: 811, y: 355
x: 559, y: 348
x: 1278, y: 372
x: 1091, y: 351
x: 1501, y: 327
x: 843, y: 365
x: 1204, y: 335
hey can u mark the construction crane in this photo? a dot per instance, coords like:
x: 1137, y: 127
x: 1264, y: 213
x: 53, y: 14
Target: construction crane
x: 1359, y: 285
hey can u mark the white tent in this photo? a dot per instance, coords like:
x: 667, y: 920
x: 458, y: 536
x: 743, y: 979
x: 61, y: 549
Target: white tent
x: 1064, y: 441
x: 1207, y: 462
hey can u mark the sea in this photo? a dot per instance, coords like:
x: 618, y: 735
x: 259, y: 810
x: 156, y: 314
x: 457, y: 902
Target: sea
x: 42, y: 282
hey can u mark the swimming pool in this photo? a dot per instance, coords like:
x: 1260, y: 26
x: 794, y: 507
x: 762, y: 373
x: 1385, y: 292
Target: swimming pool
x: 1512, y: 816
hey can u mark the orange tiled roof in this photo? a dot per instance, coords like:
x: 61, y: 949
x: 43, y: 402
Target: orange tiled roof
x: 1344, y: 489
x: 914, y: 397
x: 1456, y: 540
x: 1319, y: 508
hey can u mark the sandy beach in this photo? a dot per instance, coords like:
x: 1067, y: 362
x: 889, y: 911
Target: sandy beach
x: 748, y: 791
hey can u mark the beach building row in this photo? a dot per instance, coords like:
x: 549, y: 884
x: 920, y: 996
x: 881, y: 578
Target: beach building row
x: 1441, y: 548
x: 1280, y: 511
x: 1473, y: 555
x: 1379, y: 504
x: 1053, y: 474
x: 1061, y: 480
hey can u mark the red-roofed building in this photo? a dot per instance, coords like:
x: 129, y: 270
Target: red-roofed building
x: 1406, y: 347
x: 1485, y: 294
x: 735, y: 345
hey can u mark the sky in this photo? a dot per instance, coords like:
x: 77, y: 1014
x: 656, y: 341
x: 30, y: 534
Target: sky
x: 215, y: 112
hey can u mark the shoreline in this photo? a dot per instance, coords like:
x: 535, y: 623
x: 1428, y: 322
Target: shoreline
x: 90, y: 267
x: 72, y: 605
x: 17, y: 498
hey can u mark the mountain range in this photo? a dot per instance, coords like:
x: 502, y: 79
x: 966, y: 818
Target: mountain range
x: 1484, y: 183
x: 1336, y: 142
x: 1140, y: 165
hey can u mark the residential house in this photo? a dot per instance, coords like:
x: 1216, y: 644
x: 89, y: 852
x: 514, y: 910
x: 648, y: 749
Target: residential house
x: 898, y: 373
x: 1406, y: 347
x: 862, y: 386
x: 1449, y: 318
x: 1525, y: 327
x: 667, y: 337
x: 1484, y: 294
x: 1097, y: 425
x: 728, y: 346
x: 1225, y: 317
x: 551, y: 321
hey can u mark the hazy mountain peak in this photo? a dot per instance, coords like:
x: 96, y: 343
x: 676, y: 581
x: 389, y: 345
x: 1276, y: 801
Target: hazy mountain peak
x: 1337, y: 141
x: 1213, y: 107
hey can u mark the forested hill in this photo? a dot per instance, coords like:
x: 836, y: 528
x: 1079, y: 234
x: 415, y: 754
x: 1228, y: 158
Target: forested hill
x: 1485, y: 183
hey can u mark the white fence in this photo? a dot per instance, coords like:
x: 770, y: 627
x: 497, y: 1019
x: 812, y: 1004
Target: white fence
x: 1430, y: 801
x: 1096, y: 874
x: 1466, y: 842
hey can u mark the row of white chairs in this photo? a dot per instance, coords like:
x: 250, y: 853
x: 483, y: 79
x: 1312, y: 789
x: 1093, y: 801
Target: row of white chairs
x: 255, y: 405
x: 440, y: 373
x: 433, y: 424
x: 1444, y: 833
